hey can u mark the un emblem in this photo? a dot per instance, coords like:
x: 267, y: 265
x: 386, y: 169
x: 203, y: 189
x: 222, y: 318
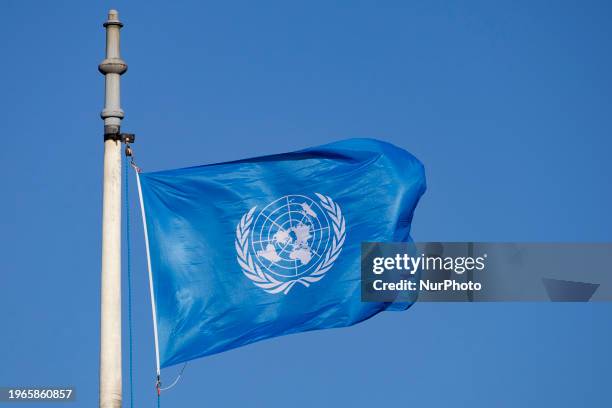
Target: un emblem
x: 294, y: 239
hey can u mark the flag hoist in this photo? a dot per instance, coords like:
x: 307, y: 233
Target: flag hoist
x: 112, y: 67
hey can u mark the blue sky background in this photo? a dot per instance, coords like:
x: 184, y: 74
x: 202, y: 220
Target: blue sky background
x: 507, y: 104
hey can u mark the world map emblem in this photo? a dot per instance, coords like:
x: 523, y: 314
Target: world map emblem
x: 294, y: 239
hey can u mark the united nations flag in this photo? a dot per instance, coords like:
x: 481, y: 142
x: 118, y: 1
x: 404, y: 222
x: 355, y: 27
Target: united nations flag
x: 258, y: 248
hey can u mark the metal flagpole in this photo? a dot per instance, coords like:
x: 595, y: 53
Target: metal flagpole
x: 110, y: 323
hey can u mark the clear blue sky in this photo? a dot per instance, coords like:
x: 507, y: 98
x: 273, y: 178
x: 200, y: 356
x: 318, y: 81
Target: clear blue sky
x: 508, y: 105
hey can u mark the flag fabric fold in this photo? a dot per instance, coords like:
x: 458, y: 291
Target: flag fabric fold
x: 252, y: 249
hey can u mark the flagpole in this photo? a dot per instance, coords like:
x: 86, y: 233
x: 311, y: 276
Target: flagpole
x: 112, y: 67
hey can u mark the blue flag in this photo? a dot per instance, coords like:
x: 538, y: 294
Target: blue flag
x: 258, y: 248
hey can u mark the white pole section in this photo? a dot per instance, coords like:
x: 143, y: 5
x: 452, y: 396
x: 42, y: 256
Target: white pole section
x: 110, y: 323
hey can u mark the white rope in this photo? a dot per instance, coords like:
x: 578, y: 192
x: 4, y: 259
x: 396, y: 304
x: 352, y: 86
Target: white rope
x: 176, y: 380
x: 146, y: 234
x: 144, y: 222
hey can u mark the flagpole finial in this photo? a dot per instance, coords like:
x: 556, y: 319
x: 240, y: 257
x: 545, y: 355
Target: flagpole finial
x: 113, y: 19
x: 112, y: 67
